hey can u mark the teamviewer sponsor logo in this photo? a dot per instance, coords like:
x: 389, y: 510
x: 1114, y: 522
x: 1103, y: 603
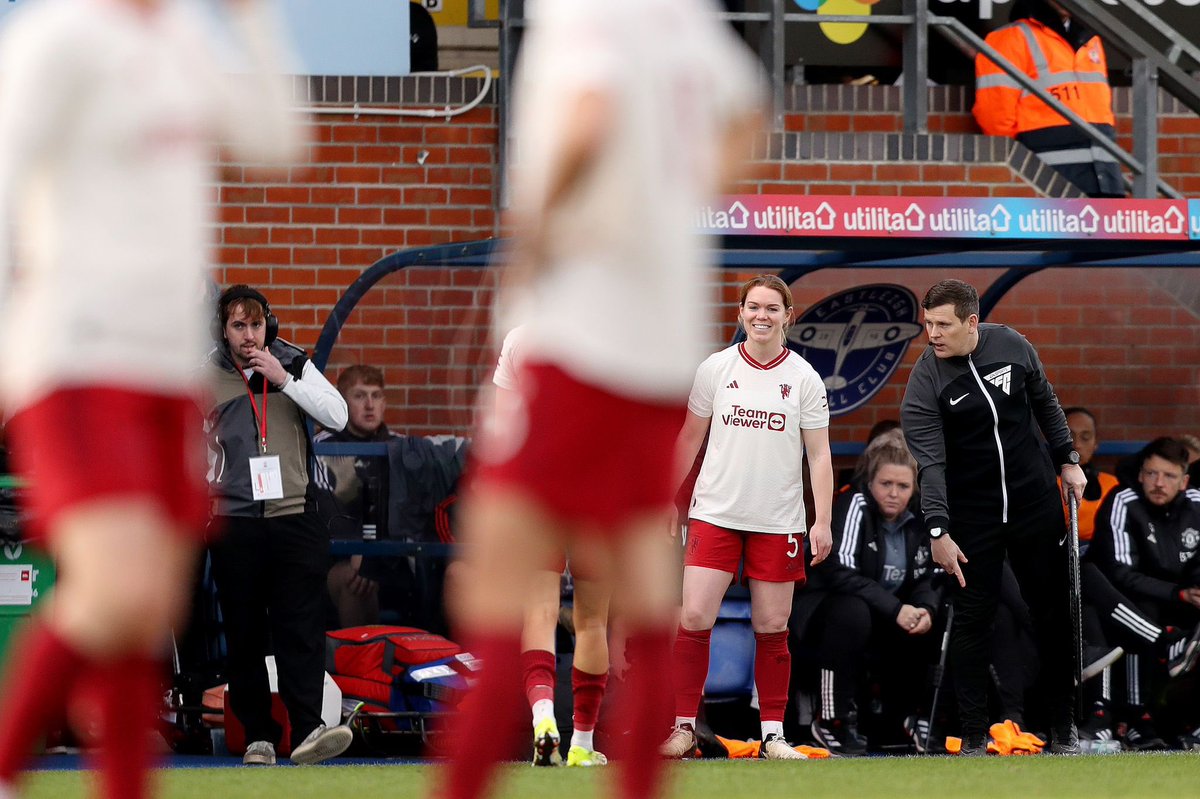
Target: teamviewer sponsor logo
x: 741, y: 416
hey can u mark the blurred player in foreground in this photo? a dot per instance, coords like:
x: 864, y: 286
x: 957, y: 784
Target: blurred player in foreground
x: 623, y: 132
x: 108, y: 116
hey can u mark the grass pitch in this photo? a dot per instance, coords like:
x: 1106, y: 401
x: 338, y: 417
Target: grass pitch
x: 1125, y: 776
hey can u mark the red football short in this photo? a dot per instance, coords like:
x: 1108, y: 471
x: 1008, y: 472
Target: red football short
x: 770, y: 557
x: 83, y: 444
x: 593, y: 458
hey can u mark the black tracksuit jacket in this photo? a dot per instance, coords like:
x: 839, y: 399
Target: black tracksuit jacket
x: 975, y: 425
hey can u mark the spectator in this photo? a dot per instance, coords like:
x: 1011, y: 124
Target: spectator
x: 360, y: 488
x: 764, y: 411
x: 1085, y: 440
x: 1193, y: 447
x: 974, y: 413
x: 1145, y: 543
x: 399, y: 495
x: 271, y: 559
x: 1066, y: 59
x: 109, y: 117
x: 875, y: 600
x: 853, y: 478
x: 1112, y: 624
x: 603, y: 205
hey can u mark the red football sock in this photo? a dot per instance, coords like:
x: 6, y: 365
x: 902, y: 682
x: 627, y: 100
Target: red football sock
x: 646, y: 702
x: 42, y: 669
x: 128, y: 702
x: 588, y: 692
x: 539, y: 668
x: 690, y: 664
x: 772, y: 673
x: 490, y: 720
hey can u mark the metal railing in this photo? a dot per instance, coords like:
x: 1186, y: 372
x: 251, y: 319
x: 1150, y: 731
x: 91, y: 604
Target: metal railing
x: 1151, y: 68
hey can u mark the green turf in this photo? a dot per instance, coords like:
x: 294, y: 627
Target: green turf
x: 1171, y: 776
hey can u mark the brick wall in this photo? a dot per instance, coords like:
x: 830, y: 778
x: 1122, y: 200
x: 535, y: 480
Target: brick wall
x: 1124, y: 341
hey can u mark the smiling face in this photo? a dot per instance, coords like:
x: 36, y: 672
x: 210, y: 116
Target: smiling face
x: 948, y: 335
x: 764, y: 315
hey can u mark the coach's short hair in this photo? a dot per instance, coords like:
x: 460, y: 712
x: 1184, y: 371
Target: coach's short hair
x: 958, y: 293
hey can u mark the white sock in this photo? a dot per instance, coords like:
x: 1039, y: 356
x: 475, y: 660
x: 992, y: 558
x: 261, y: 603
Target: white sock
x: 681, y: 720
x: 584, y: 739
x: 769, y: 727
x: 542, y: 709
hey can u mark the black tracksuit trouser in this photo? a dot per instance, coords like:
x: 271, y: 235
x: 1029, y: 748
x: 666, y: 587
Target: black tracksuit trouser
x: 270, y: 575
x: 1034, y: 543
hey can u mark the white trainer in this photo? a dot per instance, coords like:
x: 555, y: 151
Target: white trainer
x: 322, y: 744
x: 259, y: 753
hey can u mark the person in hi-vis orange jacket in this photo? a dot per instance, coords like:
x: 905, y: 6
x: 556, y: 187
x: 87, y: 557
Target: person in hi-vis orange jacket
x: 1066, y: 59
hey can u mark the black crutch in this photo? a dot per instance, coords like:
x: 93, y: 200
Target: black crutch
x: 1076, y: 601
x: 939, y: 673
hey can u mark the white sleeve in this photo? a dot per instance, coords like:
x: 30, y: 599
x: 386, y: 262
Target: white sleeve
x: 814, y: 403
x: 700, y: 401
x: 505, y: 376
x: 41, y: 78
x: 253, y: 99
x: 317, y: 397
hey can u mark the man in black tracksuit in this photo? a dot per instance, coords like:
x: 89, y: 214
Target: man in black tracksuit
x: 975, y: 403
x: 1145, y: 542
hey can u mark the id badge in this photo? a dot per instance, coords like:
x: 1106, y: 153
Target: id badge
x: 266, y: 478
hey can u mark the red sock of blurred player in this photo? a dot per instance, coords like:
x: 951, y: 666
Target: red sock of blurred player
x: 42, y: 669
x: 539, y: 668
x: 588, y: 692
x: 490, y: 720
x: 690, y: 667
x: 772, y: 672
x: 128, y: 700
x: 646, y: 702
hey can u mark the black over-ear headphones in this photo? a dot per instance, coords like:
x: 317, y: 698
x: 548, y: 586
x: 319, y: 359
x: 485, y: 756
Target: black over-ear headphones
x: 244, y: 292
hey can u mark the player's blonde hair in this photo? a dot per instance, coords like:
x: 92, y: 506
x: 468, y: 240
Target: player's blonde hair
x: 775, y: 284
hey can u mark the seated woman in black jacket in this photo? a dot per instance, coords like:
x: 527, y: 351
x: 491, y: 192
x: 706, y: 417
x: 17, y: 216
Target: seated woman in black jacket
x: 874, y: 597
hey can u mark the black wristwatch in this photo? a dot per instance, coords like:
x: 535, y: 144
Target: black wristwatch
x: 1072, y: 458
x: 938, y: 532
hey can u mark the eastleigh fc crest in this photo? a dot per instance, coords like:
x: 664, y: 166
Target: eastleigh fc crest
x: 856, y: 339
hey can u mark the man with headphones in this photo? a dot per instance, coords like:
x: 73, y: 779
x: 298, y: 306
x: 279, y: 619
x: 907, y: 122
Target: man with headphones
x: 269, y: 551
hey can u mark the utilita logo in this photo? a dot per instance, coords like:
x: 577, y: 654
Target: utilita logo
x: 740, y: 416
x: 856, y: 339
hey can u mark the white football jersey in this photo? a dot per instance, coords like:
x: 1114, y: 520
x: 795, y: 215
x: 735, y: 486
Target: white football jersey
x: 624, y: 298
x: 752, y: 477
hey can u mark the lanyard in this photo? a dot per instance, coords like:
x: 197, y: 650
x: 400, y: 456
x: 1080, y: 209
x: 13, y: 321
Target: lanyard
x: 262, y: 418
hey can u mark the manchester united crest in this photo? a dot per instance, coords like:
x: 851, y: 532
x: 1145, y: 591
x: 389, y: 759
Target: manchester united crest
x: 785, y: 390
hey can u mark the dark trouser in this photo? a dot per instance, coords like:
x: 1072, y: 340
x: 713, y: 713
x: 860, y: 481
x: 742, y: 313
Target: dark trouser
x: 846, y: 634
x: 1110, y: 617
x: 270, y: 576
x: 1014, y: 656
x: 1032, y: 542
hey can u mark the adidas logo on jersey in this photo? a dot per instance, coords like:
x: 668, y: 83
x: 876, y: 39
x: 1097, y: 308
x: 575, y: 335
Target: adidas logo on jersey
x: 1001, y: 378
x: 732, y: 385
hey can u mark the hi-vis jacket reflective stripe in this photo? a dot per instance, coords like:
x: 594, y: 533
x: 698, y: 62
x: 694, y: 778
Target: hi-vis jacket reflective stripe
x: 1078, y: 78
